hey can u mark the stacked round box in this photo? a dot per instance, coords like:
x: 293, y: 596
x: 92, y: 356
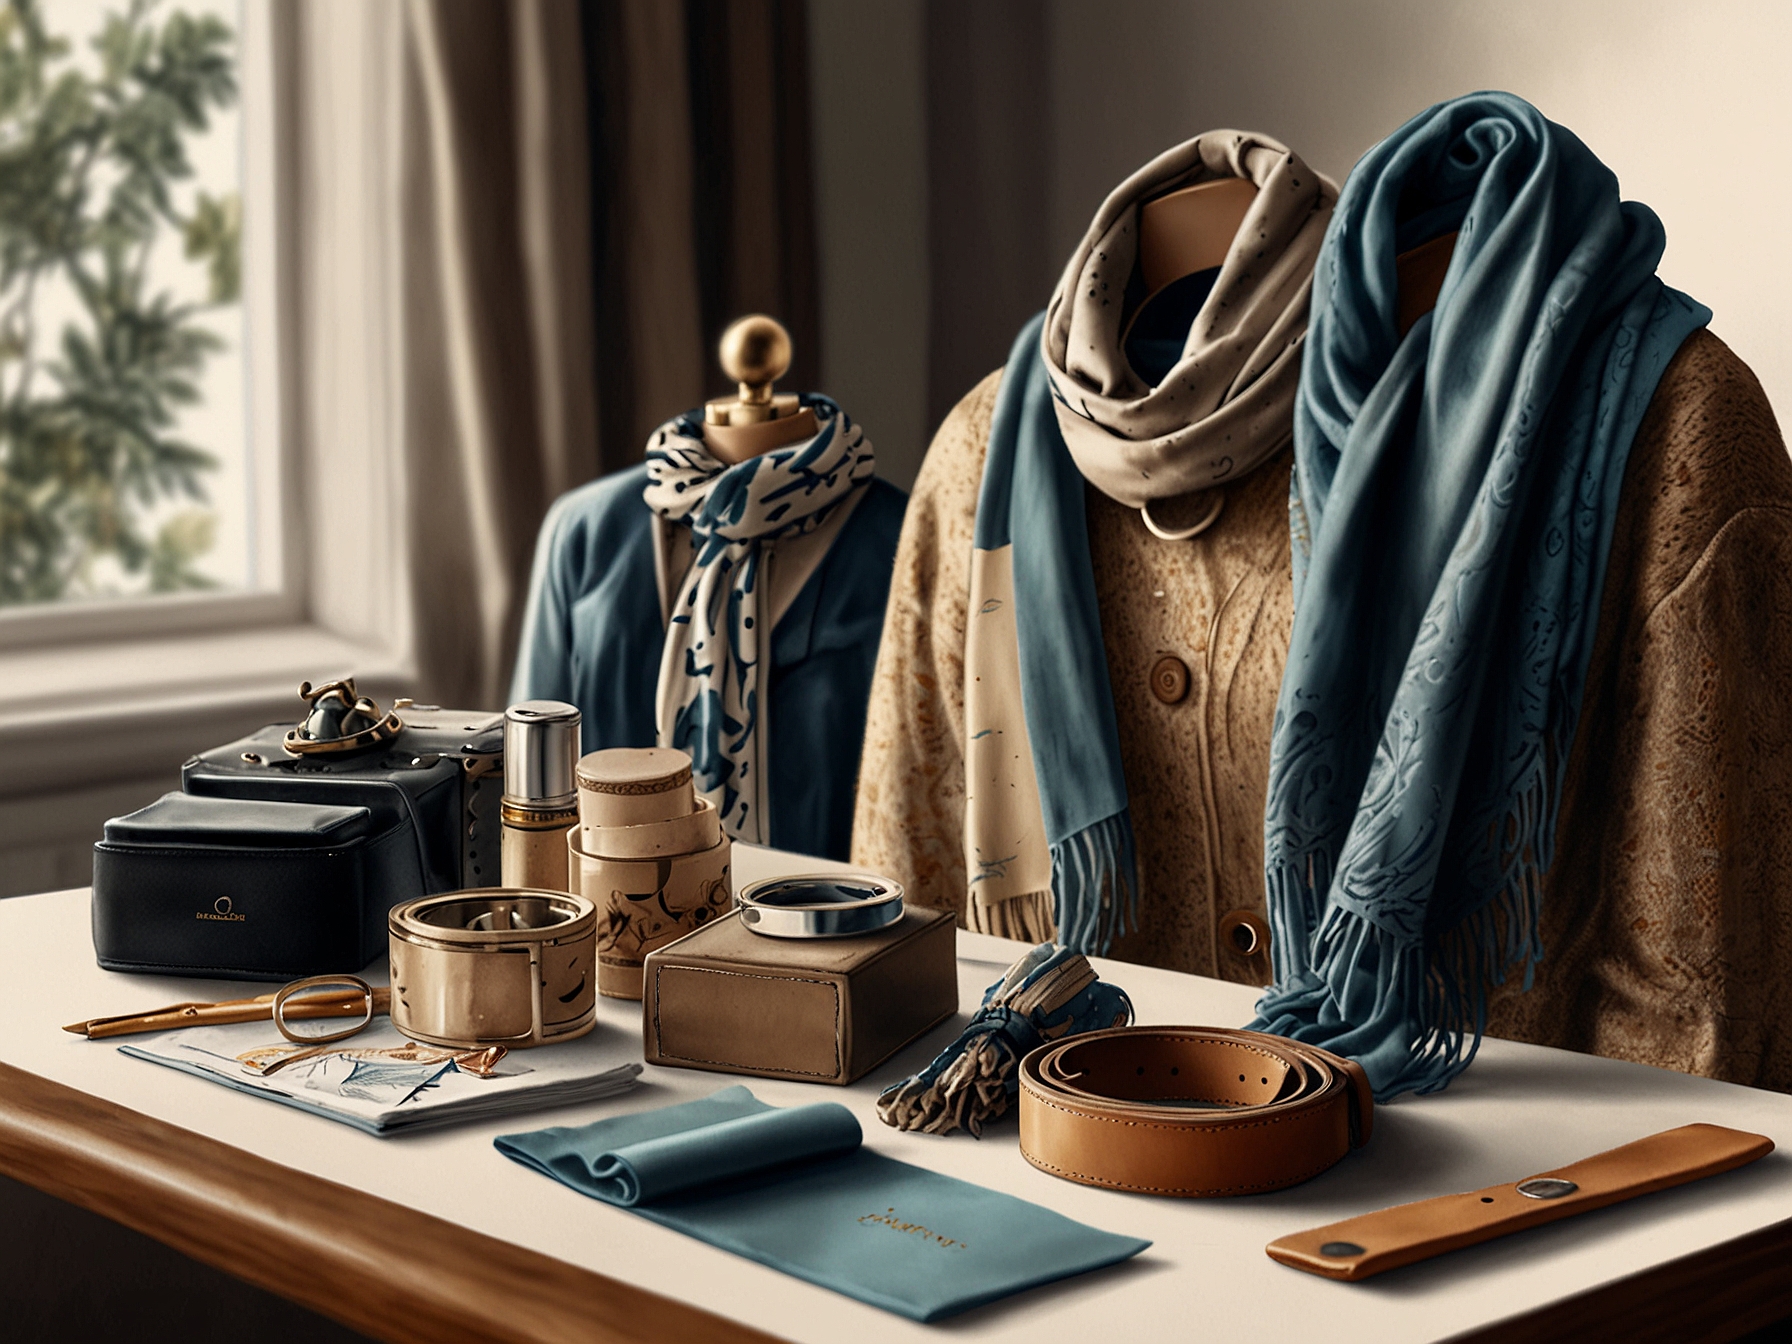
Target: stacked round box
x: 649, y: 854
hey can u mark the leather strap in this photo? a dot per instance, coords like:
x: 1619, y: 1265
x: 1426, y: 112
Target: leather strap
x: 1191, y: 1111
x: 1360, y: 1247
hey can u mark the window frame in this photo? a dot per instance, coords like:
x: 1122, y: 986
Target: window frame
x: 99, y: 691
x: 276, y: 596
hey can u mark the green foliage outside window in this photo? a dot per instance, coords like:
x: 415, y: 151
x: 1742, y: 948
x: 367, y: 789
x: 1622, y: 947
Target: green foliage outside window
x: 90, y: 460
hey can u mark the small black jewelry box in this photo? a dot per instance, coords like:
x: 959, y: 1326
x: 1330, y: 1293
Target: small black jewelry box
x: 246, y: 889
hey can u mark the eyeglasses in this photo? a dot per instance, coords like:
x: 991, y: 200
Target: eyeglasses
x: 314, y: 1013
x: 317, y: 1012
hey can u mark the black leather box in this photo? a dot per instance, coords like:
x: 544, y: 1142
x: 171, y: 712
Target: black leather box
x: 271, y: 865
x: 247, y: 889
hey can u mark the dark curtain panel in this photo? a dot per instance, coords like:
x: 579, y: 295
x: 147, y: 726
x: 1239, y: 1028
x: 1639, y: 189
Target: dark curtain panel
x: 755, y: 207
x: 493, y: 331
x: 702, y: 198
x: 989, y: 187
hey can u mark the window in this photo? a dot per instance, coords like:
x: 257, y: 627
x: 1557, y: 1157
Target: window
x: 108, y: 684
x: 126, y: 468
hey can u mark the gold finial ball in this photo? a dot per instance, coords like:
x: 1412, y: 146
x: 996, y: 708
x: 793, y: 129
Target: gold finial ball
x: 755, y: 350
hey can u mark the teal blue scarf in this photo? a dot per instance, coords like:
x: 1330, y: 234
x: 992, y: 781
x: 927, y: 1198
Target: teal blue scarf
x: 1452, y: 506
x: 1032, y: 501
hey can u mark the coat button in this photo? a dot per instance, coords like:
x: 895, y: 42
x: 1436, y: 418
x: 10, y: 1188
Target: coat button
x: 1243, y: 932
x: 1169, y: 679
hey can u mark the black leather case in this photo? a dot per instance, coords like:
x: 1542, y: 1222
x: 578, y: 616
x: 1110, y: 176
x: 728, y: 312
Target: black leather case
x: 271, y: 866
x: 443, y: 773
x: 247, y: 889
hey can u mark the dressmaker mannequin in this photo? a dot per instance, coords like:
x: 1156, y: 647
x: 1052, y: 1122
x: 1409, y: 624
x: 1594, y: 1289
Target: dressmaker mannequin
x: 1192, y: 230
x: 1676, y: 781
x: 1421, y: 275
x: 611, y: 571
x: 755, y: 352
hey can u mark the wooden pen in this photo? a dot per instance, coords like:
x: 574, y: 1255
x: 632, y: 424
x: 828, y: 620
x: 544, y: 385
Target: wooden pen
x: 258, y: 1009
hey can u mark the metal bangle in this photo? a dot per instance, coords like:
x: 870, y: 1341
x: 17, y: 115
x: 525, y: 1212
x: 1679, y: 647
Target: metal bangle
x: 512, y: 966
x: 820, y: 905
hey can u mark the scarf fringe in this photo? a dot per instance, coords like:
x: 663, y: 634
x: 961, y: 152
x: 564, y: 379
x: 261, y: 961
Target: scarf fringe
x: 1026, y: 918
x: 1095, y: 884
x: 1444, y: 993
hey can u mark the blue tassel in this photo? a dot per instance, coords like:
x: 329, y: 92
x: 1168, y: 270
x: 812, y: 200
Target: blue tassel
x: 1049, y: 994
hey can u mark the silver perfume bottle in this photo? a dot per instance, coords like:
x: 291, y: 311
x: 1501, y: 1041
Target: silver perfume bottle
x: 541, y: 795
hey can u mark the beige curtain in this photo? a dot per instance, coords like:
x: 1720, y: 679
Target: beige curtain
x: 517, y: 230
x: 704, y: 205
x: 667, y: 143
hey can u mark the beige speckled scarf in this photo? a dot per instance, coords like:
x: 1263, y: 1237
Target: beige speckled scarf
x: 1048, y: 835
x: 1227, y: 405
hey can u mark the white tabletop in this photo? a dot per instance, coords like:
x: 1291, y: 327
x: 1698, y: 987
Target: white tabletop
x: 1519, y: 1110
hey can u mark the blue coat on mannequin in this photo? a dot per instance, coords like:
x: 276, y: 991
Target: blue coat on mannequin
x: 593, y: 634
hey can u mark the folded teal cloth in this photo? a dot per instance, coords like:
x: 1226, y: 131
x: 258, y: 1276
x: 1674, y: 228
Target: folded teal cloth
x: 793, y: 1189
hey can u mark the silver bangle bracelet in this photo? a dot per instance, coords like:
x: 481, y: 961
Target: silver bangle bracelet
x: 820, y: 905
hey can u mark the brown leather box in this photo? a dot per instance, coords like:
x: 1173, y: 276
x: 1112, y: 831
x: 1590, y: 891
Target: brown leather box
x: 822, y: 1010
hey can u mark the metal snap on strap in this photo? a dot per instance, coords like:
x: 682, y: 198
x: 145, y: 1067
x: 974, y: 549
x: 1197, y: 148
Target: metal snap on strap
x: 1546, y: 1187
x: 1243, y: 932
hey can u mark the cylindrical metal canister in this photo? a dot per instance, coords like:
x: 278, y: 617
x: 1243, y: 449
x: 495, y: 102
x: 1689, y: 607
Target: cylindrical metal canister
x: 541, y: 746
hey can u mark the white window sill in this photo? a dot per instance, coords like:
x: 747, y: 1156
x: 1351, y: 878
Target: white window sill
x: 82, y: 714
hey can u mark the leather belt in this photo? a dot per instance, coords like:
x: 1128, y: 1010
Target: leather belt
x: 1192, y: 1111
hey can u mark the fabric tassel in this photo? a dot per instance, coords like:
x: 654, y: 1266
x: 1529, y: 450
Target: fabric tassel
x: 1050, y: 993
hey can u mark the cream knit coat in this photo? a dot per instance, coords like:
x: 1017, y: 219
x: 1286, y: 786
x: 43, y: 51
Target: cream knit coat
x: 1667, y: 919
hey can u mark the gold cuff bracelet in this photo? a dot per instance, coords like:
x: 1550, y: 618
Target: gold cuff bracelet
x: 509, y: 966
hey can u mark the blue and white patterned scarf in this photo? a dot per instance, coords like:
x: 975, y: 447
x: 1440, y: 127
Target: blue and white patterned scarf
x: 709, y: 703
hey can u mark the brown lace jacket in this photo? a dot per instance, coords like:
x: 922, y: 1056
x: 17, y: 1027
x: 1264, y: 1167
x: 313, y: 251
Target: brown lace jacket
x: 1667, y: 920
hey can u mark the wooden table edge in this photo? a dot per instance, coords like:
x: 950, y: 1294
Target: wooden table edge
x: 1717, y: 1294
x: 324, y: 1245
x: 329, y: 1246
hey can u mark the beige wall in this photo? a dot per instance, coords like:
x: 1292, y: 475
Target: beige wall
x: 1689, y: 103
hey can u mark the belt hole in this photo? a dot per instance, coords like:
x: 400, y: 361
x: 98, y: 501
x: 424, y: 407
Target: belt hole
x: 1264, y: 1081
x: 1141, y: 1070
x: 1487, y: 1199
x: 1241, y: 1077
x: 1174, y: 1070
